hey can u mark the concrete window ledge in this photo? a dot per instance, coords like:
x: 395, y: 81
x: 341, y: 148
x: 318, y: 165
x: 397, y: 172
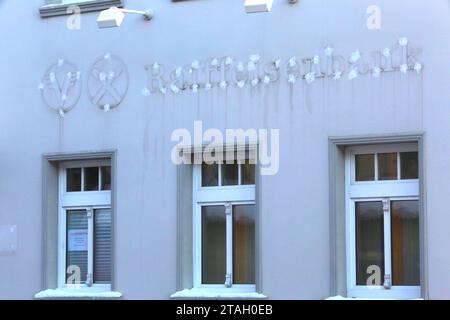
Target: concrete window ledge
x: 209, y: 294
x: 77, y: 294
x: 53, y: 10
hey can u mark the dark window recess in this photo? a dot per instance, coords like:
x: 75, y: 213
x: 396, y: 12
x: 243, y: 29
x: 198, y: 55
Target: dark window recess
x: 106, y: 178
x: 387, y: 166
x: 91, y: 179
x: 409, y: 164
x: 364, y: 167
x: 230, y: 173
x: 248, y: 173
x: 73, y: 179
x: 210, y: 175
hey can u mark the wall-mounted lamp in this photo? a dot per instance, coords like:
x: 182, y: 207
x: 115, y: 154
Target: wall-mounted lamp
x: 113, y: 17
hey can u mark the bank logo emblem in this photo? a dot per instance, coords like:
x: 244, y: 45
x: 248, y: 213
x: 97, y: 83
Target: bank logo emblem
x: 108, y: 82
x: 61, y: 86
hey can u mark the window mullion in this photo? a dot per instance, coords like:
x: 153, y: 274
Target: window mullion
x: 229, y: 245
x: 100, y: 179
x: 90, y: 280
x: 82, y: 179
x: 376, y: 166
x: 387, y: 243
x: 239, y: 162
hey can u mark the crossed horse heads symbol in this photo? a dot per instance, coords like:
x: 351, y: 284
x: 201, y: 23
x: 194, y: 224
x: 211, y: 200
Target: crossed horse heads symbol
x: 108, y: 82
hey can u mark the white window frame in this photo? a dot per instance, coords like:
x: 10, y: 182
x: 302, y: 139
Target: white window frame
x: 227, y: 196
x: 384, y: 191
x: 84, y: 200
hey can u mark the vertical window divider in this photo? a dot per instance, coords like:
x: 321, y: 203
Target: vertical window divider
x: 229, y: 245
x: 398, y: 166
x: 100, y: 178
x: 376, y: 166
x: 90, y: 276
x: 239, y: 163
x: 219, y: 175
x: 387, y: 243
x: 82, y: 179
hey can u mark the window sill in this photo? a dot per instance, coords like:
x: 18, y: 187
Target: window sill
x: 345, y: 298
x: 210, y: 294
x: 77, y: 294
x: 53, y: 10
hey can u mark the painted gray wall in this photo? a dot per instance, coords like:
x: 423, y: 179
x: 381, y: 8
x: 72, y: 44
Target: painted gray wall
x: 296, y: 254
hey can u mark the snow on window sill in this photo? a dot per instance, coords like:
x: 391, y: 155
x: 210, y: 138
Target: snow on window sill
x: 210, y: 294
x: 77, y: 294
x: 345, y: 298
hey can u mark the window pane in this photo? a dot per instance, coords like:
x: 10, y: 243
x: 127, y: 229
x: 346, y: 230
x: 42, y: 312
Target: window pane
x: 210, y: 175
x: 387, y: 166
x: 102, y: 246
x: 244, y: 244
x: 405, y: 243
x: 369, y: 240
x: 409, y: 162
x: 365, y: 167
x: 248, y: 173
x: 106, y: 178
x: 77, y: 243
x: 213, y: 245
x: 230, y: 174
x: 91, y: 179
x: 73, y: 179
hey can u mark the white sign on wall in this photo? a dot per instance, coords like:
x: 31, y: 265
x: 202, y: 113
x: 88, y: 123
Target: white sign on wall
x: 78, y: 240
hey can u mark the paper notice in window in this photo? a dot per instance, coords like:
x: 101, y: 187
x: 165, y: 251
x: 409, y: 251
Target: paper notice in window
x: 78, y: 240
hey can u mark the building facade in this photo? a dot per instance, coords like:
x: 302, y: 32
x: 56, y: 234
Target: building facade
x: 111, y: 182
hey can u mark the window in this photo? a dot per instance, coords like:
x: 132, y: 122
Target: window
x: 382, y: 221
x: 224, y: 226
x: 85, y: 225
x: 96, y: 178
x: 386, y: 166
x: 228, y: 174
